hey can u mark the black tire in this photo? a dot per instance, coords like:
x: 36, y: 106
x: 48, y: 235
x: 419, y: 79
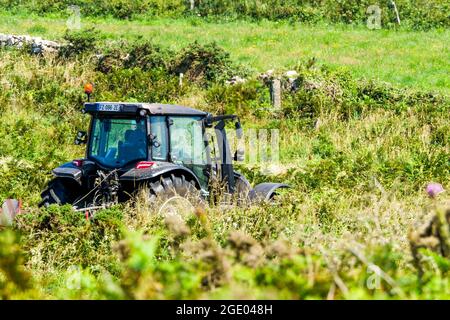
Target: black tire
x: 242, y: 188
x: 57, y: 192
x: 175, y: 195
x: 170, y: 186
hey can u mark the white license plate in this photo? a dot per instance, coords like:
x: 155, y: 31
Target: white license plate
x: 109, y: 107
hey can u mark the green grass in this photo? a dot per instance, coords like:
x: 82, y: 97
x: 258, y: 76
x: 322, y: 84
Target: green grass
x: 357, y: 154
x: 406, y: 58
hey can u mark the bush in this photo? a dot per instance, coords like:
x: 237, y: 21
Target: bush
x: 139, y: 86
x: 200, y: 64
x: 78, y: 42
x: 67, y: 239
x: 148, y: 56
x: 143, y: 55
x: 204, y: 64
x: 13, y: 276
x: 422, y: 14
x: 241, y: 99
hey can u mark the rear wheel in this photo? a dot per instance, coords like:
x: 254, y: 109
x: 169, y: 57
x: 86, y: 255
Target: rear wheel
x: 242, y: 188
x: 174, y: 195
x: 172, y: 185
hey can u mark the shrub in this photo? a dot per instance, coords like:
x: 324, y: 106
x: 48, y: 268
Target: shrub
x: 206, y: 63
x: 67, y: 239
x: 79, y: 42
x: 13, y: 276
x: 241, y: 99
x: 422, y: 14
x: 148, y: 56
x: 138, y: 85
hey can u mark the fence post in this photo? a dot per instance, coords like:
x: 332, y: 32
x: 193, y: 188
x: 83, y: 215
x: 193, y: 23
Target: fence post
x: 275, y: 93
x: 180, y: 79
x: 396, y: 11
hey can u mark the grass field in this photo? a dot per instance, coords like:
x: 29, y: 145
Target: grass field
x: 406, y: 58
x: 358, y: 155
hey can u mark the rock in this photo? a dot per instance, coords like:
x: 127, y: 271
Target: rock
x: 270, y: 72
x: 10, y: 41
x: 318, y: 124
x: 38, y: 45
x: 291, y: 75
x: 52, y: 44
x: 235, y: 80
x: 268, y: 75
x: 36, y: 48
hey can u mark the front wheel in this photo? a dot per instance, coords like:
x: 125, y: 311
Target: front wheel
x: 58, y: 192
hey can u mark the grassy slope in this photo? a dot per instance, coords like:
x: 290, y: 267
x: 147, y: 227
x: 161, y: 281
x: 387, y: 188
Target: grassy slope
x: 357, y: 183
x: 418, y: 59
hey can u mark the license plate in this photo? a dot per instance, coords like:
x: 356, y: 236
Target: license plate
x: 109, y: 107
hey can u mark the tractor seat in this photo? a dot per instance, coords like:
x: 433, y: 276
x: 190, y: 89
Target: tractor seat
x: 131, y: 148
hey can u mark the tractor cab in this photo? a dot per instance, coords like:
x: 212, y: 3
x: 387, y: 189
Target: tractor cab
x: 127, y: 135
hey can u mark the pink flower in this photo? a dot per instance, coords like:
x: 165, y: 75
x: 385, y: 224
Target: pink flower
x: 433, y: 189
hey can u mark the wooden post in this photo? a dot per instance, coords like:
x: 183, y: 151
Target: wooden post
x: 396, y: 11
x: 275, y: 93
x: 181, y: 79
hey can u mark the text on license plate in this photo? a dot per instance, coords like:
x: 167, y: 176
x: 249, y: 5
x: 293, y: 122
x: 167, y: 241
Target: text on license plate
x: 109, y: 107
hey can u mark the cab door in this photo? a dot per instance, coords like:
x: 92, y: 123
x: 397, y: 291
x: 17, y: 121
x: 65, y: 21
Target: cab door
x: 187, y: 145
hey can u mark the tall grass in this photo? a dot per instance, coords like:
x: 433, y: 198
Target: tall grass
x: 357, y: 154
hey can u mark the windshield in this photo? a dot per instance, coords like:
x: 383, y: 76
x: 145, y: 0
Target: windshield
x: 117, y: 142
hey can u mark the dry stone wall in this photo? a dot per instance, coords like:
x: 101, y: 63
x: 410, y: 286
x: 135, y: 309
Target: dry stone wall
x: 37, y: 44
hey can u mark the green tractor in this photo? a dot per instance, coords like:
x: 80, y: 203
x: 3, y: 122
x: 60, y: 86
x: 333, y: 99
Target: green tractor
x: 165, y: 149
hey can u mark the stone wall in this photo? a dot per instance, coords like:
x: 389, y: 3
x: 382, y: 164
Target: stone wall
x: 37, y: 44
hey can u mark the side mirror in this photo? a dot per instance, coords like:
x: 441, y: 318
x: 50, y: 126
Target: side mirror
x: 239, y: 155
x: 153, y: 140
x: 81, y: 138
x: 239, y: 130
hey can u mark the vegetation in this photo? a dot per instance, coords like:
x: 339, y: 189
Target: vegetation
x: 406, y: 58
x: 358, y: 154
x: 423, y: 14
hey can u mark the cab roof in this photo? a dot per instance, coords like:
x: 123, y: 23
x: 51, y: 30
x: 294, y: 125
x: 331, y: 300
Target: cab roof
x: 118, y: 108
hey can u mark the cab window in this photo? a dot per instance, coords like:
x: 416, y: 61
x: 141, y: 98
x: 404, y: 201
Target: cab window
x: 186, y: 140
x: 159, y: 139
x: 118, y: 142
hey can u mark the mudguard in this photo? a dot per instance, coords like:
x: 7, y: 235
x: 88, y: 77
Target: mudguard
x: 159, y: 169
x: 69, y: 171
x: 265, y: 191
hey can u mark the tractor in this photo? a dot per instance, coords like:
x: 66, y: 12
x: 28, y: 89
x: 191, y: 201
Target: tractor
x: 168, y: 149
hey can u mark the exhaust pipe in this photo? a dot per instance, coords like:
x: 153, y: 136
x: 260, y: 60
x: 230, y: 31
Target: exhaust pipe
x: 8, y: 212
